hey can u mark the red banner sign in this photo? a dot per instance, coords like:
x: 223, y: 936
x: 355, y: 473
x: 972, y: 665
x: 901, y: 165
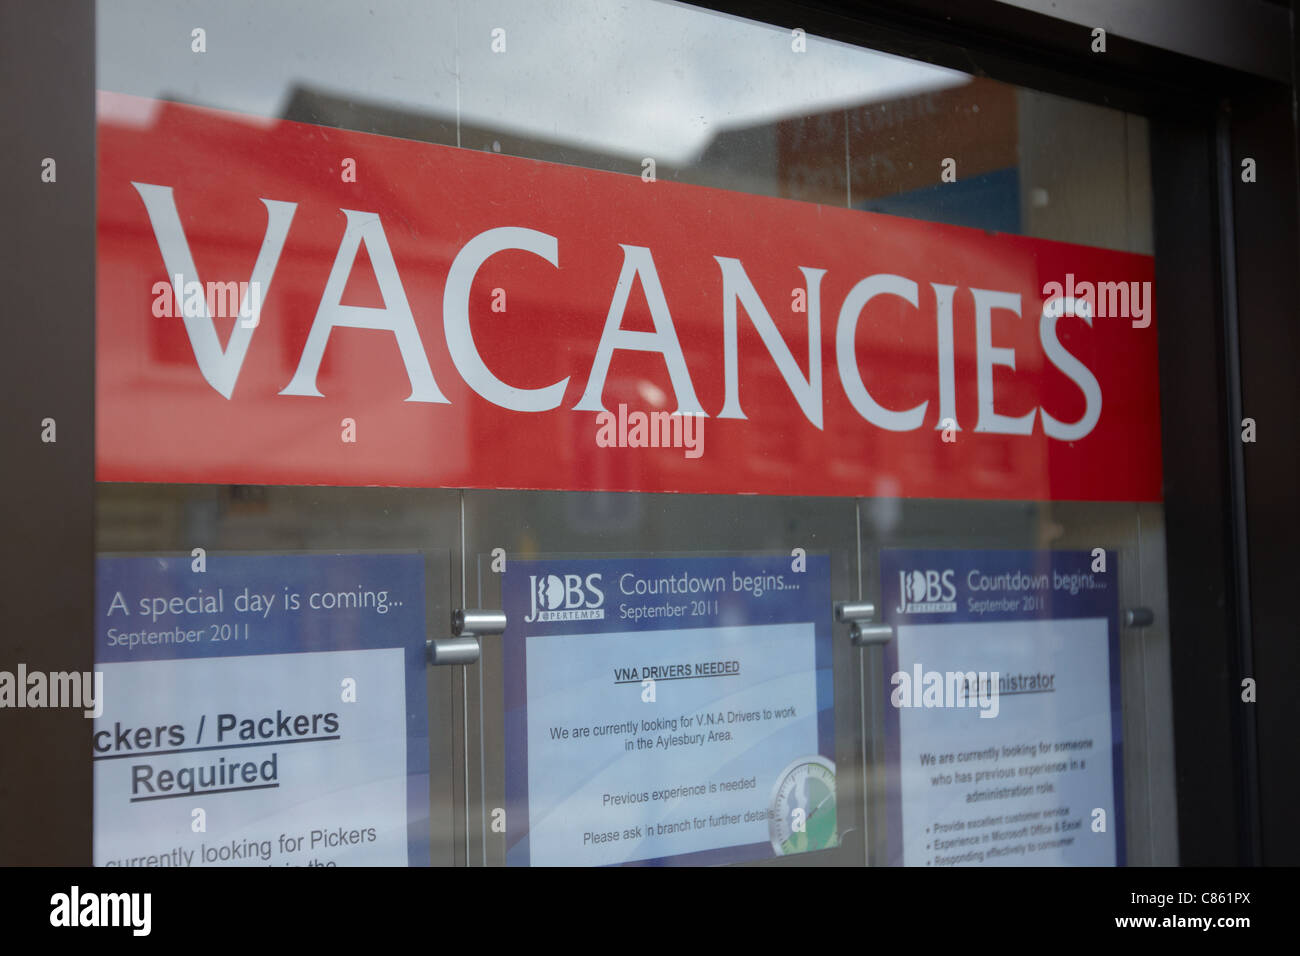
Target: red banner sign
x: 281, y: 303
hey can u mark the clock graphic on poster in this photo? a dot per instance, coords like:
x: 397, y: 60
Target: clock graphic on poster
x: 802, y: 814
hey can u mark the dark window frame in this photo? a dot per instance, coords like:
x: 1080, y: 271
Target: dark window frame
x: 1226, y: 255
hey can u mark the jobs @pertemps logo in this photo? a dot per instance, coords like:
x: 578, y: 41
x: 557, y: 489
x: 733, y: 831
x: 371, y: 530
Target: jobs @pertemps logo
x: 565, y: 597
x: 926, y: 592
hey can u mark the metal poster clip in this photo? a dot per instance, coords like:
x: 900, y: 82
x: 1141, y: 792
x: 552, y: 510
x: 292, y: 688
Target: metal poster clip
x: 1139, y: 617
x: 854, y: 611
x: 862, y: 635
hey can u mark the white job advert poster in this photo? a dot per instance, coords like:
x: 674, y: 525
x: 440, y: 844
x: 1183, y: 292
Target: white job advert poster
x: 1003, y: 715
x: 261, y: 710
